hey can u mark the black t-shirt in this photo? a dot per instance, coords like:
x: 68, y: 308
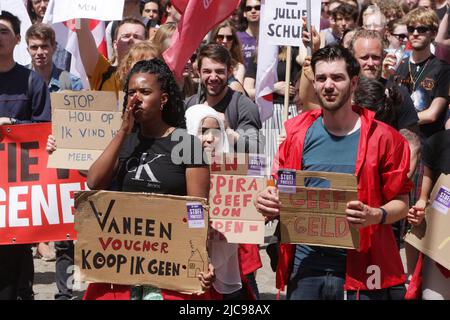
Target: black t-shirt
x: 431, y: 79
x: 158, y: 165
x: 436, y: 152
x: 406, y: 114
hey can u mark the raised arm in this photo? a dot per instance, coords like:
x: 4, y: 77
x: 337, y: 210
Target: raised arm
x: 88, y: 49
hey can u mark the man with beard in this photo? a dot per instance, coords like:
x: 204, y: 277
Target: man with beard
x: 368, y: 48
x: 241, y: 114
x: 344, y: 138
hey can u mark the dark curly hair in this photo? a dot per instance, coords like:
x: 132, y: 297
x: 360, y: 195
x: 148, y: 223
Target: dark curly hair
x: 173, y: 112
x: 384, y: 101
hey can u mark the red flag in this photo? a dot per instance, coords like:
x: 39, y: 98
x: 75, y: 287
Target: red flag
x: 198, y: 17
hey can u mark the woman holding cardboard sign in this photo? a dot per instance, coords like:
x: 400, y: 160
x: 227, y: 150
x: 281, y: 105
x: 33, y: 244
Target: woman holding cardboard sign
x: 139, y: 158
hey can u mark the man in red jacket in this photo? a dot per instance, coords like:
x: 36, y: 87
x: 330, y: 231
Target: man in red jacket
x: 344, y: 138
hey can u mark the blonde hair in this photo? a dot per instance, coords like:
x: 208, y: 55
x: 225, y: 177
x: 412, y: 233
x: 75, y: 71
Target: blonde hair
x: 163, y: 36
x: 422, y: 16
x: 144, y: 50
x: 374, y: 10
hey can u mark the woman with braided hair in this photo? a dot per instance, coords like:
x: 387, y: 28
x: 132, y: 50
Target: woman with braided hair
x: 153, y: 122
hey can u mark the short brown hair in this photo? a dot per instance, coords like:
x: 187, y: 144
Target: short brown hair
x: 41, y: 31
x: 130, y: 20
x: 215, y: 52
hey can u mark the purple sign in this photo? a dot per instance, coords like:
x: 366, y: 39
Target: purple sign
x: 196, y: 215
x: 256, y: 165
x: 442, y: 200
x: 287, y: 180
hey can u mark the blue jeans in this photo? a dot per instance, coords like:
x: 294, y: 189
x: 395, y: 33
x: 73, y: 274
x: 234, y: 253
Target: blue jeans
x: 308, y: 284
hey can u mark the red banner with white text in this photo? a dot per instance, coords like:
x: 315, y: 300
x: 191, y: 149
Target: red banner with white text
x: 36, y: 203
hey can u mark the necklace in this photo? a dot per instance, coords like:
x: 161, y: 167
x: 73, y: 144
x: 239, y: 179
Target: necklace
x: 416, y: 78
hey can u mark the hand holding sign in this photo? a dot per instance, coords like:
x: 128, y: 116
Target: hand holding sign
x: 417, y: 213
x: 360, y: 215
x: 306, y: 37
x: 268, y: 203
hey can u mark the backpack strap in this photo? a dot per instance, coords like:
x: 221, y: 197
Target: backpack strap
x: 106, y: 75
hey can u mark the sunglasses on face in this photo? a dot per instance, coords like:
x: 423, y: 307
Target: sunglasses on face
x: 222, y: 37
x: 400, y: 36
x: 249, y: 8
x: 420, y: 29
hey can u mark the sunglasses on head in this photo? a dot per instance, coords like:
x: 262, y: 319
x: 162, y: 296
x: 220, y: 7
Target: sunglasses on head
x: 420, y: 29
x: 249, y: 8
x: 401, y: 36
x: 225, y: 37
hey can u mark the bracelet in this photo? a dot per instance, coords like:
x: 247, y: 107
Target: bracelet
x: 383, y: 217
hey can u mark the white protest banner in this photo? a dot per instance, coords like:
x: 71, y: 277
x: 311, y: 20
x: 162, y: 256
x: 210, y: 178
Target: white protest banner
x: 65, y: 10
x: 283, y: 21
x: 18, y: 9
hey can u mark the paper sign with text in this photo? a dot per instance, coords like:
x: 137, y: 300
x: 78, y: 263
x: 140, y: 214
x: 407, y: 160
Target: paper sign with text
x: 283, y: 21
x: 83, y: 123
x: 233, y: 216
x: 432, y: 236
x: 36, y: 203
x: 141, y: 239
x: 316, y: 216
x: 65, y: 10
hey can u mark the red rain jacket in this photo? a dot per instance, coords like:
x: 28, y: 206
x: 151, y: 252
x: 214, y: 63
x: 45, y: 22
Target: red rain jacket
x: 381, y: 168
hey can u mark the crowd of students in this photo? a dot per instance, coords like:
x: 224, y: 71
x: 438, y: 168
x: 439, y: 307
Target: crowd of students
x: 372, y: 100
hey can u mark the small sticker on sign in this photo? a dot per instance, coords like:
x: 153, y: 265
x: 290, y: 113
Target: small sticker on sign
x: 196, y: 215
x: 442, y: 201
x: 256, y: 165
x: 287, y: 180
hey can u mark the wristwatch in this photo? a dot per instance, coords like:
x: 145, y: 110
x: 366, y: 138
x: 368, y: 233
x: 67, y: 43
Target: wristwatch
x: 383, y: 217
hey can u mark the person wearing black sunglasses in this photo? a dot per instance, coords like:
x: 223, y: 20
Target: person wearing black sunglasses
x: 425, y: 76
x: 249, y: 38
x: 397, y: 34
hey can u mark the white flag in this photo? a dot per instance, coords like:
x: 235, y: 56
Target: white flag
x: 67, y: 39
x: 266, y: 75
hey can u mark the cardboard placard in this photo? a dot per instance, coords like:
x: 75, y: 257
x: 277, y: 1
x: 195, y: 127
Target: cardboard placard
x: 432, y: 236
x: 233, y: 216
x: 141, y: 239
x: 83, y: 123
x: 36, y: 203
x: 316, y: 216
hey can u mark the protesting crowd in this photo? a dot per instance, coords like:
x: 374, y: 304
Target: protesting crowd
x: 365, y: 92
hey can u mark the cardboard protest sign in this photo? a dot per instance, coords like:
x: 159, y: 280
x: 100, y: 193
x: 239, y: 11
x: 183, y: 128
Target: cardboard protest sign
x: 234, y: 185
x: 432, y: 236
x: 316, y: 216
x: 141, y: 239
x: 65, y: 10
x: 36, y: 203
x: 282, y: 22
x: 83, y: 123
